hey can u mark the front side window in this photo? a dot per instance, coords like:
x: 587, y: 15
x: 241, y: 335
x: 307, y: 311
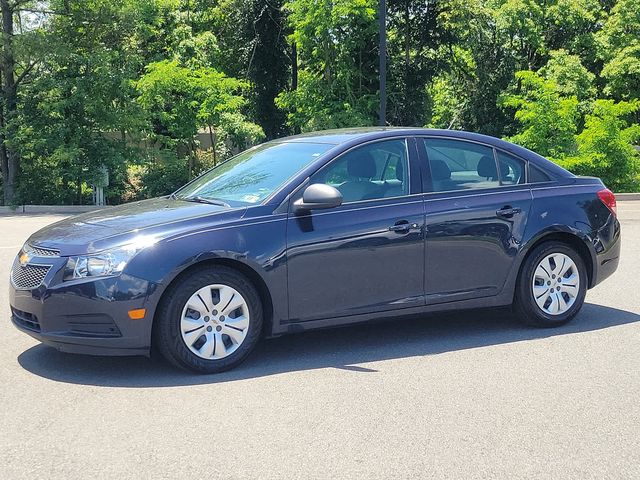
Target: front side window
x: 460, y: 165
x: 372, y: 171
x: 253, y: 175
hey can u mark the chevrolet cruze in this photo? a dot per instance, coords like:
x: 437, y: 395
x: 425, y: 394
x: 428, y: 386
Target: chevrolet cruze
x: 318, y: 230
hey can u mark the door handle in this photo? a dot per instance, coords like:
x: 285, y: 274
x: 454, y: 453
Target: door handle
x: 404, y: 226
x: 508, y: 212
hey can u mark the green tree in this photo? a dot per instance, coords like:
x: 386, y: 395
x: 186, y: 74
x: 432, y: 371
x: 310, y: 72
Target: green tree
x: 571, y: 78
x: 548, y: 121
x: 180, y: 100
x: 605, y: 146
x: 414, y: 35
x: 20, y: 42
x: 75, y: 114
x: 619, y: 43
x: 337, y: 85
x: 252, y: 35
x: 131, y: 85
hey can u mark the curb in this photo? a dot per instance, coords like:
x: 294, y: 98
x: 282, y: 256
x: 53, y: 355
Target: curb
x: 49, y: 209
x: 623, y: 197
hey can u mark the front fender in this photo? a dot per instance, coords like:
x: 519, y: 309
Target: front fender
x: 258, y: 244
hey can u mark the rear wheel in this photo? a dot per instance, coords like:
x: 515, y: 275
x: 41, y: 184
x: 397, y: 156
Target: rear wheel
x: 552, y: 286
x: 209, y: 321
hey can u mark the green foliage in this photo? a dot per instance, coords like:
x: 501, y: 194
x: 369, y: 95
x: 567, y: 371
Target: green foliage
x: 143, y: 87
x: 568, y: 74
x: 447, y: 99
x: 337, y: 83
x: 71, y: 113
x: 548, y: 121
x: 619, y: 42
x: 605, y: 146
x: 253, y: 43
x: 178, y: 102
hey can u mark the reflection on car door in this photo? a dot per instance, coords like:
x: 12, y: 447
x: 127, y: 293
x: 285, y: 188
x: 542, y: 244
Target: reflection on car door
x: 366, y: 255
x: 475, y: 219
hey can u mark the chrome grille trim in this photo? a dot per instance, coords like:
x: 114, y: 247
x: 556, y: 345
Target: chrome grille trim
x: 28, y: 277
x: 43, y: 252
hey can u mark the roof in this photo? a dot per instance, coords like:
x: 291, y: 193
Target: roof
x: 339, y: 135
x: 347, y: 137
x: 343, y: 135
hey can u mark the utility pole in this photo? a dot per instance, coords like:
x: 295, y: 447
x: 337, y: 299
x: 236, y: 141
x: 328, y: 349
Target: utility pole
x: 382, y: 17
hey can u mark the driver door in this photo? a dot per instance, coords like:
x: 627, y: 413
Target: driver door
x: 366, y: 255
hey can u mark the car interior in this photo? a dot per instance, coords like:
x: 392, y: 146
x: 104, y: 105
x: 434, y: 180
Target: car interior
x: 469, y: 168
x: 379, y: 170
x: 369, y: 172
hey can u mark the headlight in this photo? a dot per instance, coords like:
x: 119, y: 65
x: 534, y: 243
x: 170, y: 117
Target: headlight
x: 105, y: 263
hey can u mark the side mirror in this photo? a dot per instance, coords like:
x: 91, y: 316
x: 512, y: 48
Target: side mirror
x: 318, y: 195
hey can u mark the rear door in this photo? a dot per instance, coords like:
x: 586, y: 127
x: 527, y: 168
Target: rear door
x: 476, y: 214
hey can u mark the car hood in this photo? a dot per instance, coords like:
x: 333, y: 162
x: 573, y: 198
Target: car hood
x: 101, y: 229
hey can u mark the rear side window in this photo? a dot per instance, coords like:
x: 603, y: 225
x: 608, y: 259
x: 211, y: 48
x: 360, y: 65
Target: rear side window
x: 512, y: 169
x: 460, y: 165
x: 536, y: 175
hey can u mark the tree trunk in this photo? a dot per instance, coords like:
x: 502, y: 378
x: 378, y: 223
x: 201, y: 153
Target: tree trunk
x: 4, y: 166
x: 212, y: 137
x: 191, y: 159
x: 79, y: 190
x: 294, y: 66
x: 294, y: 75
x: 9, y: 92
x: 407, y: 37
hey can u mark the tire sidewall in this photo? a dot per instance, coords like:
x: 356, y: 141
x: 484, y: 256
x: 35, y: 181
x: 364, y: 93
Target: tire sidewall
x: 525, y: 293
x: 170, y: 331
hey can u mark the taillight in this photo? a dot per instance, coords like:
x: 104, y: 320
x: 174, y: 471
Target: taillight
x: 609, y: 199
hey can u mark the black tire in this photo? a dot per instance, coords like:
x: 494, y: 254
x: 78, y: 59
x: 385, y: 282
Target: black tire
x: 525, y: 306
x: 167, y: 335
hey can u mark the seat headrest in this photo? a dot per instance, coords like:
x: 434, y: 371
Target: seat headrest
x: 487, y: 167
x: 440, y: 170
x: 400, y: 170
x: 361, y: 165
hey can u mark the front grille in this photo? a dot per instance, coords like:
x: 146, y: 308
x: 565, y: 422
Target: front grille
x: 44, y: 252
x: 26, y: 320
x: 29, y: 276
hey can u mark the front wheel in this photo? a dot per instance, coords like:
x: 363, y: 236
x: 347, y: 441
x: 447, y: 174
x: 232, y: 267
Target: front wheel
x: 209, y: 321
x: 552, y: 286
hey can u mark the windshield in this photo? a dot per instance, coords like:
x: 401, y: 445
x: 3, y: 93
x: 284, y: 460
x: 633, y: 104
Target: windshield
x: 252, y: 176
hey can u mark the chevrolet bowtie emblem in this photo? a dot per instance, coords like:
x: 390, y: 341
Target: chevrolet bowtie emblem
x: 24, y: 258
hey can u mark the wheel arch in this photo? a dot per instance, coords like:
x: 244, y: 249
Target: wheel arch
x: 241, y: 267
x: 573, y: 240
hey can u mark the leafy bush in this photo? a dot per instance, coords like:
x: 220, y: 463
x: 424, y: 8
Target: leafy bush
x: 605, y: 146
x: 548, y: 121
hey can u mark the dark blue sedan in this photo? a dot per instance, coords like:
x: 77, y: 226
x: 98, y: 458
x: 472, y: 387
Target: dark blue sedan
x: 319, y: 230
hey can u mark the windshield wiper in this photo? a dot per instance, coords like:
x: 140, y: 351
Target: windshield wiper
x: 210, y: 201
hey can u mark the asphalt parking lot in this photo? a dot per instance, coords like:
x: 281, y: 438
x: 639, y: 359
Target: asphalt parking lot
x: 470, y: 395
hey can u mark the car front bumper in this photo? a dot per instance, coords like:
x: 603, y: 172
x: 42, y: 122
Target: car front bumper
x: 88, y: 316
